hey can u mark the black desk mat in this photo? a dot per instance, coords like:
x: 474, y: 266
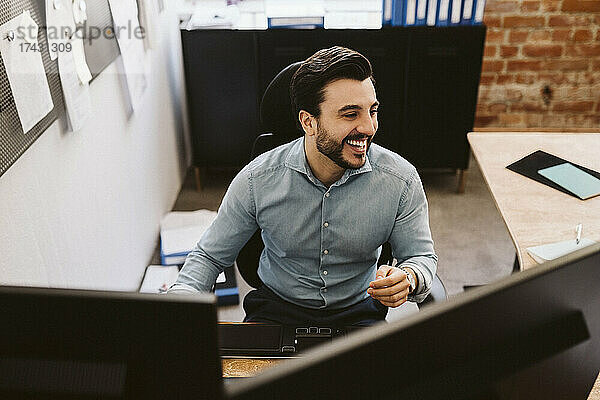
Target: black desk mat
x: 530, y: 165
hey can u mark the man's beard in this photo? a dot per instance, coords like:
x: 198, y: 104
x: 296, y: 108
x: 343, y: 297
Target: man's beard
x: 328, y: 146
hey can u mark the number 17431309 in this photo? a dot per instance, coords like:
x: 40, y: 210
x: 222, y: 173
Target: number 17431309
x: 54, y: 47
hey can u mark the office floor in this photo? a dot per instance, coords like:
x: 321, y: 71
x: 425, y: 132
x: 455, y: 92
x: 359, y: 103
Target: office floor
x: 470, y: 237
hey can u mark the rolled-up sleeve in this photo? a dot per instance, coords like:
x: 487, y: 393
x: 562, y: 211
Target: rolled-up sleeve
x: 222, y: 241
x: 412, y: 244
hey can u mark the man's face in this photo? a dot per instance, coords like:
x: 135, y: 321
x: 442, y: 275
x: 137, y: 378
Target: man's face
x: 348, y: 122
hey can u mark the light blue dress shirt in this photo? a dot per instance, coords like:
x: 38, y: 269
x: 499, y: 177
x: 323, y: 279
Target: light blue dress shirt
x: 321, y: 244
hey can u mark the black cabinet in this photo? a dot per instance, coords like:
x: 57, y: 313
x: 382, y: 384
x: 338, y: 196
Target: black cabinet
x: 426, y: 80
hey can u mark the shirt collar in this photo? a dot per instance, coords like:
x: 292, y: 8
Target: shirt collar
x: 296, y: 160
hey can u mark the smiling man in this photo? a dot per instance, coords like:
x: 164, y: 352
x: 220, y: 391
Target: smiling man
x: 325, y: 203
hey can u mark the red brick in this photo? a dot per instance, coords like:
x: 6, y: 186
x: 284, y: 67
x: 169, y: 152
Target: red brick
x: 492, y: 66
x: 511, y: 119
x: 530, y: 6
x: 485, y: 120
x: 523, y: 22
x: 552, y: 77
x: 566, y: 65
x: 492, y: 21
x: 514, y: 95
x: 516, y: 36
x: 542, y: 50
x: 581, y: 6
x: 529, y: 106
x: 551, y: 5
x: 589, y: 78
x: 566, y: 20
x: 525, y: 79
x: 496, y: 108
x: 553, y: 120
x: 533, y: 120
x: 540, y: 35
x: 487, y: 79
x: 583, y: 35
x: 503, y: 79
x: 489, y: 51
x: 561, y: 35
x: 494, y: 6
x: 494, y: 36
x: 508, y: 51
x: 580, y: 121
x: 524, y: 65
x: 574, y: 106
x: 587, y: 50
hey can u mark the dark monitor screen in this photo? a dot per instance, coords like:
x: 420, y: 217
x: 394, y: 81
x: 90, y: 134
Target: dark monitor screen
x: 72, y: 344
x: 533, y: 335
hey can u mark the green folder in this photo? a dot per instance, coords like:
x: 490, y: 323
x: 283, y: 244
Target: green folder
x: 576, y: 181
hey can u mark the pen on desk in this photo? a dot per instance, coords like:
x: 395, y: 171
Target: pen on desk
x: 578, y: 230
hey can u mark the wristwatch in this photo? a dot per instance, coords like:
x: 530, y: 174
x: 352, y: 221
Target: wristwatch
x: 411, y: 280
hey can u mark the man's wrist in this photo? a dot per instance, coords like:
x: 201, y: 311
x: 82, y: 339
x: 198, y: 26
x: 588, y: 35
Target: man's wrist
x: 415, y: 279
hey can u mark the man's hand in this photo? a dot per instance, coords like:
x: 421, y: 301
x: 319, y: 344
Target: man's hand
x: 390, y: 286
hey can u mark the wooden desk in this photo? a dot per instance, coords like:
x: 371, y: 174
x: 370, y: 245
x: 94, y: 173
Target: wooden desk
x: 534, y: 213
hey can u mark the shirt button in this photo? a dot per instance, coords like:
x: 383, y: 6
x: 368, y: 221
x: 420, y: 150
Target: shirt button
x: 325, y: 290
x: 325, y: 251
x: 325, y: 272
x: 326, y: 224
x: 327, y: 194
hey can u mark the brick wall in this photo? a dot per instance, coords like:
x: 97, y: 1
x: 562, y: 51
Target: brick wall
x: 541, y: 66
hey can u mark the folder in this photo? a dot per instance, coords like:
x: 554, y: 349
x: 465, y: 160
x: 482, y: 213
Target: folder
x: 530, y: 165
x: 478, y: 13
x: 410, y: 13
x: 455, y: 15
x: 443, y: 13
x: 467, y: 12
x: 575, y: 180
x: 432, y: 7
x: 387, y: 12
x: 421, y: 14
x: 404, y: 12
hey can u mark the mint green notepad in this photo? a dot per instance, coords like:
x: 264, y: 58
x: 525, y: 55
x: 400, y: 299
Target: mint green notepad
x: 576, y: 181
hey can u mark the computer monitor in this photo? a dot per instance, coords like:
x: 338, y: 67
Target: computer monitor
x: 72, y: 344
x: 533, y: 335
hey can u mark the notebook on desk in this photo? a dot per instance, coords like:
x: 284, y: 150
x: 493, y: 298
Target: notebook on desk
x: 573, y: 179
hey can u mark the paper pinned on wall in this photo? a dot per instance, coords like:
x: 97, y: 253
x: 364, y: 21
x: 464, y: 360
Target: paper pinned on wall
x: 76, y: 94
x: 81, y: 67
x: 25, y: 69
x: 130, y: 38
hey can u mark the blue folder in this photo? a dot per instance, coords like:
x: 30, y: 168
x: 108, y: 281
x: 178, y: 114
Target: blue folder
x: 478, y: 12
x: 455, y: 14
x: 468, y: 10
x: 421, y: 13
x: 387, y: 12
x: 405, y: 12
x: 432, y: 8
x: 443, y: 13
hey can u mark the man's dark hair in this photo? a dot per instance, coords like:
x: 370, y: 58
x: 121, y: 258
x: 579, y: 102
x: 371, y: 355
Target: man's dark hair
x: 307, y: 87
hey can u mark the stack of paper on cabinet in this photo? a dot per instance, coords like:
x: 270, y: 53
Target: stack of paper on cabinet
x: 179, y: 233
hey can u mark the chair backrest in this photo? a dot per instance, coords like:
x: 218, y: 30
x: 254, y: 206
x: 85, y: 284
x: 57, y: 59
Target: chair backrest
x: 276, y: 113
x: 279, y: 124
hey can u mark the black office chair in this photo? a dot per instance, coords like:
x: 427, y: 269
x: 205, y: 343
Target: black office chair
x: 278, y: 121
